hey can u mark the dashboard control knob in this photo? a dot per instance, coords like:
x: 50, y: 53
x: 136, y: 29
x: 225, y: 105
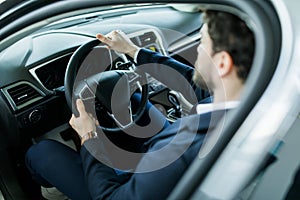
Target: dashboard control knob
x: 35, y: 116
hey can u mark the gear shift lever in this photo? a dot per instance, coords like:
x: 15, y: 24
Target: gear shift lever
x: 173, y: 99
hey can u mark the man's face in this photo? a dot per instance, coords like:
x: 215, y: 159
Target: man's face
x: 204, y: 67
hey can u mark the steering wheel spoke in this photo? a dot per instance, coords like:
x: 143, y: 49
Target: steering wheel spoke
x: 86, y: 93
x: 125, y: 119
x: 134, y: 80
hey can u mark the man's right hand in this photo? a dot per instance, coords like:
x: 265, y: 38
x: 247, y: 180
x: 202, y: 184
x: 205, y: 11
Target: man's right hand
x: 85, y: 123
x: 119, y: 41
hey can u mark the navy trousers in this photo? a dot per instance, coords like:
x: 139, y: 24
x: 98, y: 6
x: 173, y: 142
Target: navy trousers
x: 52, y: 163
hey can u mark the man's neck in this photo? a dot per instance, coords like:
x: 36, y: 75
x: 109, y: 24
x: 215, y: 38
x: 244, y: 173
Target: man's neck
x: 231, y: 93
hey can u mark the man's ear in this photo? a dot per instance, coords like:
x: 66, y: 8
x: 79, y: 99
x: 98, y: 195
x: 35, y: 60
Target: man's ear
x: 224, y: 63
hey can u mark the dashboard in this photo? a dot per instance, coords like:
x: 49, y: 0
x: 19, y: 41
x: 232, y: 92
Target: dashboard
x: 51, y: 74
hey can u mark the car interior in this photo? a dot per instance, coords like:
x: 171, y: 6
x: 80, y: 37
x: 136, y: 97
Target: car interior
x: 37, y: 85
x: 33, y: 97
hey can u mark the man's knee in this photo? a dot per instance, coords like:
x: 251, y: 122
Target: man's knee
x: 39, y: 153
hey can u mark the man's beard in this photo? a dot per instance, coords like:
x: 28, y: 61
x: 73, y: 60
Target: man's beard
x: 199, y: 81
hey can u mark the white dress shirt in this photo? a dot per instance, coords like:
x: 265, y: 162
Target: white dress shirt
x: 209, y: 107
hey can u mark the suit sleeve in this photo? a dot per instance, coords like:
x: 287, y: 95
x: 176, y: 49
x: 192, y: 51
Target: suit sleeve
x: 154, y: 182
x: 170, y: 72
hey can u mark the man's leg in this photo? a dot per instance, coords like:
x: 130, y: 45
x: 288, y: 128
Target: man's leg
x: 52, y: 163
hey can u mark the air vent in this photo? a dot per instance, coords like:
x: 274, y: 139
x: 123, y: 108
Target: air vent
x: 22, y: 94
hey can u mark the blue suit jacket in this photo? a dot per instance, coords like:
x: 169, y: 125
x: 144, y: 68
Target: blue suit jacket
x: 168, y: 154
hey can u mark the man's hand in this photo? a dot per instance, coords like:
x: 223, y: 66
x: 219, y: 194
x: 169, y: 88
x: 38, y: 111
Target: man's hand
x: 85, y: 123
x: 119, y: 41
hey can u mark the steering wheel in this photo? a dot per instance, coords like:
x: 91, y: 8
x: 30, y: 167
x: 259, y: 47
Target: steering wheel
x: 87, y: 78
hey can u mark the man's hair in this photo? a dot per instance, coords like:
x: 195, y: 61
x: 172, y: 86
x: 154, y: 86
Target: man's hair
x: 231, y: 34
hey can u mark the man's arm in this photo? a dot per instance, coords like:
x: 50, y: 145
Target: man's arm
x: 119, y: 41
x: 158, y: 171
x: 104, y: 183
x: 167, y: 70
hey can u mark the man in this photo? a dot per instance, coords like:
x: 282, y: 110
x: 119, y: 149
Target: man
x: 224, y: 59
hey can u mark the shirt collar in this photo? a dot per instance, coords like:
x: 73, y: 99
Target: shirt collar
x: 209, y: 107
